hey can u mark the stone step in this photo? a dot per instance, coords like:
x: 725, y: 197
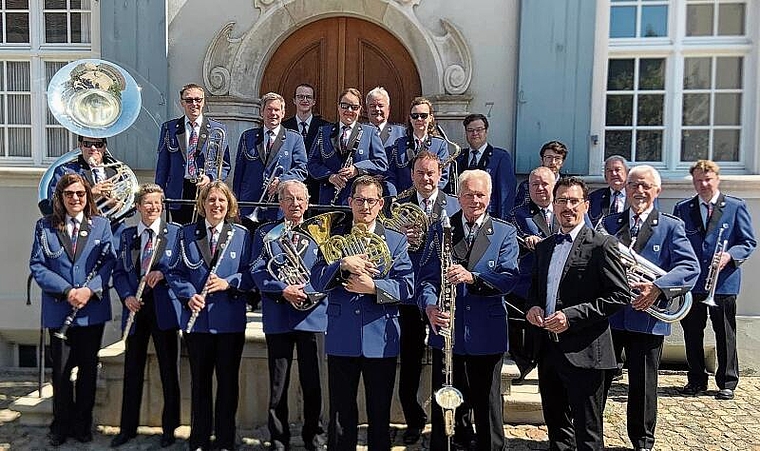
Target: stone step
x: 35, y: 410
x: 521, y: 403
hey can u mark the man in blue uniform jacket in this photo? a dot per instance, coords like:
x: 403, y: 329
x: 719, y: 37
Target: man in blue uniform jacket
x: 495, y: 161
x: 187, y: 160
x: 660, y: 239
x: 711, y: 216
x: 379, y: 112
x: 270, y: 154
x: 611, y: 198
x: 345, y: 150
x: 362, y: 323
x: 293, y: 315
x: 484, y: 270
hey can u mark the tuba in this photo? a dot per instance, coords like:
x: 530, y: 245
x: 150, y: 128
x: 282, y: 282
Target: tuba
x: 360, y: 241
x: 98, y: 99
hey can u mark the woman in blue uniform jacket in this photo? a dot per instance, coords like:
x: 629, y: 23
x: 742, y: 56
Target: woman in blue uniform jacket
x: 72, y: 258
x: 420, y: 135
x: 215, y: 341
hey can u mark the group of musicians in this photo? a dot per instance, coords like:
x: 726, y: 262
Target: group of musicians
x: 382, y: 298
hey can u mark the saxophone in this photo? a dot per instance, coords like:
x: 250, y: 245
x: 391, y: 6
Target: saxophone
x: 448, y: 397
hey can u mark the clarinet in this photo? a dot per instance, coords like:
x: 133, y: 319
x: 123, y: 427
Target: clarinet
x: 72, y: 316
x: 139, y: 293
x: 213, y: 271
x: 348, y: 163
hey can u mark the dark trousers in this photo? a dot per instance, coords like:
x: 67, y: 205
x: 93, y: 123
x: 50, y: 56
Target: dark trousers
x: 410, y: 370
x: 73, y: 404
x: 643, y: 354
x: 209, y: 354
x: 478, y: 377
x: 310, y: 347
x: 184, y: 214
x: 572, y: 400
x: 343, y: 378
x: 166, y: 343
x: 723, y: 319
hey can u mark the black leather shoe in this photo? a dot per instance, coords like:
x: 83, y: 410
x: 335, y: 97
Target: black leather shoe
x: 120, y: 439
x: 56, y: 439
x: 725, y: 394
x: 412, y: 435
x: 167, y: 440
x: 691, y: 389
x: 84, y: 438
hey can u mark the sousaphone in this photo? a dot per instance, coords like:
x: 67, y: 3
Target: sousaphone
x: 98, y: 99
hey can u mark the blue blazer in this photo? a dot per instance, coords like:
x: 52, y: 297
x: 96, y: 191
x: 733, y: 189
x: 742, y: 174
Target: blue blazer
x: 251, y: 170
x: 388, y: 138
x: 189, y: 269
x: 662, y: 241
x: 57, y: 270
x: 126, y: 275
x: 731, y: 214
x: 498, y: 163
x: 325, y: 158
x: 172, y: 155
x: 363, y: 325
x: 480, y: 324
x: 599, y: 204
x: 277, y: 313
x: 529, y: 221
x: 400, y: 155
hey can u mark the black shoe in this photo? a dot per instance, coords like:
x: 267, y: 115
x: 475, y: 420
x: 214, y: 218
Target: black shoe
x: 121, y: 438
x: 56, y: 439
x: 167, y: 440
x: 317, y: 443
x: 692, y: 389
x: 725, y: 394
x: 84, y: 438
x: 412, y: 435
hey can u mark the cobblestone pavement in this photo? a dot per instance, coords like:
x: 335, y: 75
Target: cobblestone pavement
x: 701, y: 423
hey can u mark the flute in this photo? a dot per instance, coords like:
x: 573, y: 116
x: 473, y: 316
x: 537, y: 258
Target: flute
x: 139, y: 293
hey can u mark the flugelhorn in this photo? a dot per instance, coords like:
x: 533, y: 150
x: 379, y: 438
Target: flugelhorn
x: 711, y: 281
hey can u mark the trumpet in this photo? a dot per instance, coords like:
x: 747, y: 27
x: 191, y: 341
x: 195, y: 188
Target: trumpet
x: 278, y: 171
x: 139, y: 292
x: 215, y: 157
x: 711, y: 282
x: 214, y: 269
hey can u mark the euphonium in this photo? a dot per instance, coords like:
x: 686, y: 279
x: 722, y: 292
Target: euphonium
x: 287, y: 266
x: 359, y: 241
x: 711, y: 282
x: 448, y: 397
x: 640, y: 270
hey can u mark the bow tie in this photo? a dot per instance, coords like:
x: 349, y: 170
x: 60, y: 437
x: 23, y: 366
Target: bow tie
x: 562, y: 237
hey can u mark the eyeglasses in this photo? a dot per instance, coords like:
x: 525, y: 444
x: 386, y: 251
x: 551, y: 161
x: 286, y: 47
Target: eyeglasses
x: 417, y: 116
x: 552, y: 158
x: 193, y: 99
x: 348, y: 106
x: 473, y: 131
x: 571, y: 201
x: 637, y: 185
x: 71, y: 194
x: 370, y: 201
x: 96, y: 144
x: 304, y: 97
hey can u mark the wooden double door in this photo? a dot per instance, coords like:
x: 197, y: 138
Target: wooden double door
x: 343, y: 52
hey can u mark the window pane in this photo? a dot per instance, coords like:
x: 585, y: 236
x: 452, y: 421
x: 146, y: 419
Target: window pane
x: 617, y: 142
x: 726, y: 145
x: 2, y: 109
x: 16, y: 4
x: 18, y: 76
x: 649, y: 145
x: 17, y: 27
x: 696, y: 73
x: 19, y: 109
x: 55, y: 4
x: 728, y: 72
x: 694, y: 145
x: 699, y: 20
x: 2, y: 143
x: 651, y: 107
x: 654, y: 21
x: 728, y: 109
x: 619, y: 109
x: 80, y: 27
x: 57, y: 142
x: 696, y: 109
x: 20, y: 142
x: 623, y: 22
x: 731, y: 19
x: 652, y: 73
x: 620, y: 75
x: 55, y: 28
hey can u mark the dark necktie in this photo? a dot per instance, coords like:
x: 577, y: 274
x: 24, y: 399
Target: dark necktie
x: 304, y: 129
x: 709, y: 207
x: 192, y: 143
x: 270, y: 140
x: 344, y: 139
x: 560, y: 238
x: 473, y: 159
x: 147, y: 252
x: 97, y: 175
x: 636, y: 226
x: 614, y: 202
x: 212, y: 239
x: 473, y: 226
x: 548, y: 219
x: 428, y: 203
x: 74, y: 234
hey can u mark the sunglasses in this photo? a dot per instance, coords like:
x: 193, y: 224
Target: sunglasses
x: 193, y: 100
x: 96, y: 144
x: 417, y: 116
x: 348, y: 106
x: 71, y: 194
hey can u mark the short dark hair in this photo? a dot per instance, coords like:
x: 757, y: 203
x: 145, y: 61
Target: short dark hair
x: 556, y: 146
x: 569, y: 181
x: 352, y: 91
x: 425, y: 155
x: 474, y: 117
x: 305, y: 85
x: 191, y: 86
x: 81, y: 138
x: 366, y: 180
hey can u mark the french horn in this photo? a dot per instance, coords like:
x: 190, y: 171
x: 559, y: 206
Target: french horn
x: 98, y: 99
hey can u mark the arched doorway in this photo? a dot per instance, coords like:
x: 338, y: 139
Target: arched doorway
x: 338, y: 52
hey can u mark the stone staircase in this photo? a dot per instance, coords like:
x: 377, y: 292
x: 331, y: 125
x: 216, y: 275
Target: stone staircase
x: 521, y: 403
